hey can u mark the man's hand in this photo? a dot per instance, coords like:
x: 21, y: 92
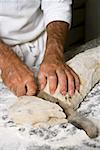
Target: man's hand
x: 16, y: 75
x: 53, y: 67
x: 19, y: 79
x: 58, y: 72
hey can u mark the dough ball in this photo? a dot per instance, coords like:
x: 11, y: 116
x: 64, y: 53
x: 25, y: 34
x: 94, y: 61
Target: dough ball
x: 35, y: 111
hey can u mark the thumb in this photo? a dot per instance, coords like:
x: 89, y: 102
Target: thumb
x: 31, y: 88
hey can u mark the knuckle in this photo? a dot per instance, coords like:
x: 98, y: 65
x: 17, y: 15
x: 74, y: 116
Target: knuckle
x: 63, y: 85
x: 63, y: 77
x: 70, y: 75
x: 52, y: 87
x: 52, y: 77
x: 42, y: 83
x: 31, y: 92
x: 71, y: 78
x: 29, y: 79
x: 52, y: 74
x: 40, y: 76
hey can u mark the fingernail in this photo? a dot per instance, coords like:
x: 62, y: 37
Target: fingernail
x: 63, y: 92
x: 71, y: 93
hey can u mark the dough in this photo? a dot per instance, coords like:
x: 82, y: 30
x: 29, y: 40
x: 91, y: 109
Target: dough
x: 87, y: 66
x: 35, y: 111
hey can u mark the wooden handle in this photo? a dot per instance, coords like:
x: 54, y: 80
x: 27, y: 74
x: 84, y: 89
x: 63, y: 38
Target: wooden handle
x: 80, y: 121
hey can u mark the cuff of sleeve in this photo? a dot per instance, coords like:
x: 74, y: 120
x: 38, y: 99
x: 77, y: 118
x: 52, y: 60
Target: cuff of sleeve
x: 58, y: 15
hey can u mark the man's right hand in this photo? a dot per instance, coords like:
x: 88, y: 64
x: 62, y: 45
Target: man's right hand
x: 16, y: 75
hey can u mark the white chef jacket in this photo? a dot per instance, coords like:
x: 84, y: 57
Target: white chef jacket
x: 22, y: 21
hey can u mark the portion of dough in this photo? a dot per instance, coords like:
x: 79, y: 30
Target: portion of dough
x: 35, y: 111
x: 87, y: 66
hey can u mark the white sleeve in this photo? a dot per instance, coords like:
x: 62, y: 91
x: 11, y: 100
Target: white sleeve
x: 56, y: 10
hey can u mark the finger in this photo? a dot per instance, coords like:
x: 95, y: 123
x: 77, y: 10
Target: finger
x: 42, y: 80
x: 13, y: 89
x: 21, y: 90
x: 77, y: 80
x: 31, y: 88
x: 52, y: 77
x: 62, y: 81
x: 71, y: 83
x: 17, y: 90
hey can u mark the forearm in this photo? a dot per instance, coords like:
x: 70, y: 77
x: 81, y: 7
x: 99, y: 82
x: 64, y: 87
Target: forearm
x: 6, y: 55
x: 56, y: 37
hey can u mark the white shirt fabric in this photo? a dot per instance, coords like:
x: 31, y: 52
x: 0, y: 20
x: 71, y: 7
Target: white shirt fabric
x: 23, y: 23
x: 32, y: 53
x: 24, y: 20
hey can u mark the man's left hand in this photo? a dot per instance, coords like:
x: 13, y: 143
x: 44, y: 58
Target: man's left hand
x: 56, y: 71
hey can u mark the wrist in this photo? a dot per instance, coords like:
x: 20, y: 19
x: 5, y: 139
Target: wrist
x: 54, y: 49
x: 53, y: 57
